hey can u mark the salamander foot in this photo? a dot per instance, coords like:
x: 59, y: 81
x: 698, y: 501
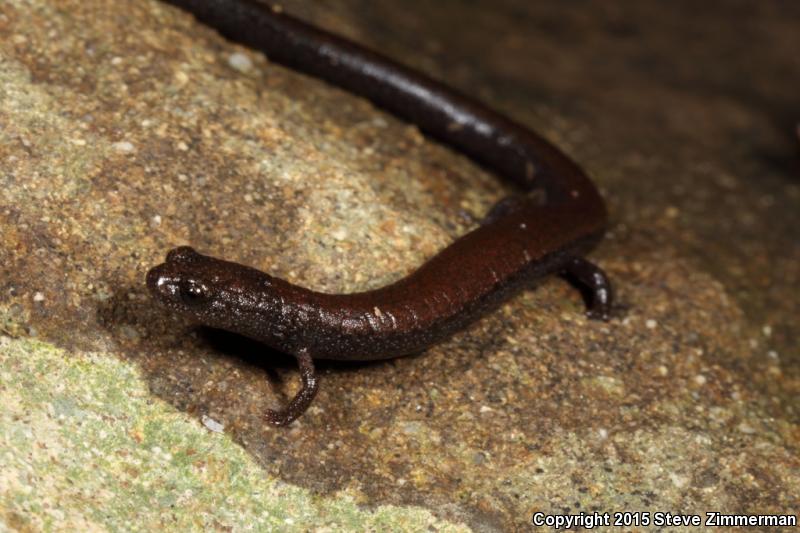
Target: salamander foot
x: 594, y: 282
x: 304, y: 396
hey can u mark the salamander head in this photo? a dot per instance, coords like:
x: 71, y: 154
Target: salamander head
x: 207, y: 290
x: 178, y: 283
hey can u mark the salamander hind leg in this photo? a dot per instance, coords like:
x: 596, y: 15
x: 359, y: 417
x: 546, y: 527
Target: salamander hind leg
x: 594, y: 281
x: 304, y: 396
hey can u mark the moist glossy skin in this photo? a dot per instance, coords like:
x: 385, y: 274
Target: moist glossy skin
x: 521, y: 239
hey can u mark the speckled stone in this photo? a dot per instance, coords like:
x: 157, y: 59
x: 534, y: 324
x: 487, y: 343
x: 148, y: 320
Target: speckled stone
x: 127, y: 129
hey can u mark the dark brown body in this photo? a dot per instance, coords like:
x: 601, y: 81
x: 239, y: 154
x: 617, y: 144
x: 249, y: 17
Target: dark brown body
x: 452, y: 289
x: 522, y: 239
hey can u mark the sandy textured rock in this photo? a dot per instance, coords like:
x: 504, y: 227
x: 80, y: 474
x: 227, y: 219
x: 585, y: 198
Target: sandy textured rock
x: 127, y: 129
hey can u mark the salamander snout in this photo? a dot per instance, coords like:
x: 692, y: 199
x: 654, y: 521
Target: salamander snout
x: 175, y: 290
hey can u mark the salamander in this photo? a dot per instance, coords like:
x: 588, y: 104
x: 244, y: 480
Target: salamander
x: 522, y: 238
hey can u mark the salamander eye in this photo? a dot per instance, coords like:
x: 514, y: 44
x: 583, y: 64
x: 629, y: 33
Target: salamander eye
x: 193, y: 293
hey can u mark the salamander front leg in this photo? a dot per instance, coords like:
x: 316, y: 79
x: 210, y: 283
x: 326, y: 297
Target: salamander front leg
x: 304, y: 396
x: 591, y: 278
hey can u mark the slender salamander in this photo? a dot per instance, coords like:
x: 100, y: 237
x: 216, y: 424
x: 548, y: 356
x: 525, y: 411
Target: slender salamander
x: 521, y: 239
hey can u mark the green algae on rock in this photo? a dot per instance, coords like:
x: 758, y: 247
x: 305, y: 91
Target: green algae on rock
x: 84, y: 447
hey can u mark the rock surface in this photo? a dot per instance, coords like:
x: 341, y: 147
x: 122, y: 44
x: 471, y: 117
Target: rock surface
x: 127, y: 129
